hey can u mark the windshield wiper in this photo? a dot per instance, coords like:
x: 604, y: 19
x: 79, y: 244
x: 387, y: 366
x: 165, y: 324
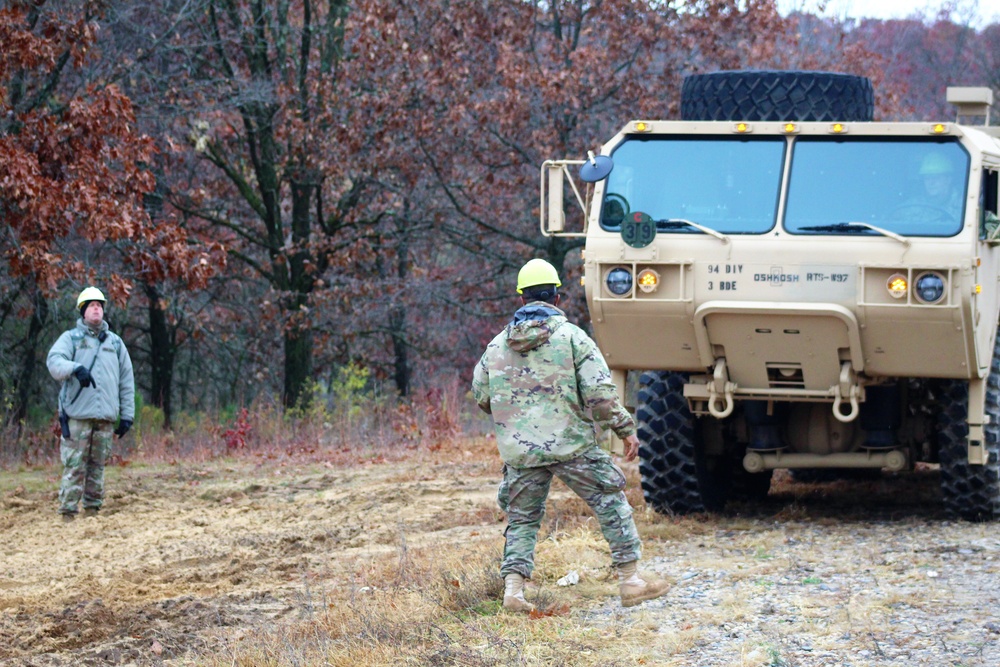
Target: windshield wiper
x: 677, y: 223
x: 854, y: 227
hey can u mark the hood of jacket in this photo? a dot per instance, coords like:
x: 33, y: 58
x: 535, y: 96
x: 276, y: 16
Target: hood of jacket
x: 533, y: 325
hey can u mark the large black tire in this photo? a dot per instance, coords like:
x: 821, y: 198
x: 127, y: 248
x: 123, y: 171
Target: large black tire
x: 777, y: 96
x: 971, y: 492
x: 677, y: 476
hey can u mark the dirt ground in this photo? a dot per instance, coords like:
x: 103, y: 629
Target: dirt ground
x: 185, y: 557
x: 182, y: 554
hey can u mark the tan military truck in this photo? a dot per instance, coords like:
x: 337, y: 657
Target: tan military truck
x: 800, y: 287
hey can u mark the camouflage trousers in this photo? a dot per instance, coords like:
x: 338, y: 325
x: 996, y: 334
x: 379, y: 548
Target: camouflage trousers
x: 83, y: 457
x: 594, y: 477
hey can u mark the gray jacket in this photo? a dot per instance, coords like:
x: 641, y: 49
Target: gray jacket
x: 110, y: 366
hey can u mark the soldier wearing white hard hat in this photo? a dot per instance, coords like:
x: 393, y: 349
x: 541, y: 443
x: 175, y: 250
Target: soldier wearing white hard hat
x: 98, y: 390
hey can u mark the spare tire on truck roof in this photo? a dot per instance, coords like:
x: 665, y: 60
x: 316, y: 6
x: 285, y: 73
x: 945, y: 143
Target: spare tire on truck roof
x: 777, y: 96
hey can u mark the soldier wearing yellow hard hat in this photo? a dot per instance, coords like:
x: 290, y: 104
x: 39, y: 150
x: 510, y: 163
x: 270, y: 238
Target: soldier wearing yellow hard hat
x: 537, y: 272
x: 98, y: 389
x: 546, y: 384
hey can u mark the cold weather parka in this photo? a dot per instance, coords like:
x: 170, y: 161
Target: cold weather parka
x: 110, y: 366
x: 546, y: 384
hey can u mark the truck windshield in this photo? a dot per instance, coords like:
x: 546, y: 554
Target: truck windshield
x: 913, y: 187
x: 727, y: 184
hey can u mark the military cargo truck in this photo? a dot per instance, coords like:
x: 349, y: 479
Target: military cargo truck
x: 795, y: 286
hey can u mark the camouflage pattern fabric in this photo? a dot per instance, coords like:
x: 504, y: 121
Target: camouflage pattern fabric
x: 83, y: 458
x: 546, y: 384
x: 594, y: 477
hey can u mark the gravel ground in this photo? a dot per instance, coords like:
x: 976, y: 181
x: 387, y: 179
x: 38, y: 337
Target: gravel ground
x: 820, y: 591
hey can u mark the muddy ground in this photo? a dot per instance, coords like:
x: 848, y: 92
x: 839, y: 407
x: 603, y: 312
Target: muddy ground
x: 184, y: 557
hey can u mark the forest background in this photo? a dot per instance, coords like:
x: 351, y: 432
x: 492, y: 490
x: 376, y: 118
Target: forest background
x: 303, y: 205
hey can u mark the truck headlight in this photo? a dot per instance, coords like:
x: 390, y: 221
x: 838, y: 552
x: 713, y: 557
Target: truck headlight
x: 929, y: 287
x: 619, y: 281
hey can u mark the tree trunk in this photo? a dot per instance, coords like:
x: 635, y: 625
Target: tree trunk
x: 400, y: 349
x: 298, y: 366
x: 397, y: 314
x: 26, y: 376
x: 162, y: 352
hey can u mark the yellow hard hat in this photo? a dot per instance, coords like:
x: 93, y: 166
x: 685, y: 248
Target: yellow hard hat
x: 90, y: 294
x: 935, y: 163
x: 537, y: 272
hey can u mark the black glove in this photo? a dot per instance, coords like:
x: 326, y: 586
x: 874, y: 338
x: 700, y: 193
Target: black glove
x: 84, y: 376
x: 123, y: 426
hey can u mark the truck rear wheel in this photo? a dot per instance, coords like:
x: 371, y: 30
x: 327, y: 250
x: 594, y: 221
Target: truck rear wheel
x: 777, y: 96
x: 971, y: 492
x: 677, y: 476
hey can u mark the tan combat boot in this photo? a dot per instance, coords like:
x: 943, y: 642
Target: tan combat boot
x: 513, y: 594
x: 635, y: 589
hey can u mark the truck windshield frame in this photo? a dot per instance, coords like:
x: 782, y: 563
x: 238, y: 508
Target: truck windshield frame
x: 729, y: 184
x: 912, y: 186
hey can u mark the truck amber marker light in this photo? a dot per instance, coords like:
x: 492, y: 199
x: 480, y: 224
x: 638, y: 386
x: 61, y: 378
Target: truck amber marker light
x: 648, y: 280
x: 897, y: 285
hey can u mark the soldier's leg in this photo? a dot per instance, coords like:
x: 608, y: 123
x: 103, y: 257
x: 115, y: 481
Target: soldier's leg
x: 100, y: 448
x: 522, y: 496
x: 594, y: 477
x: 73, y: 453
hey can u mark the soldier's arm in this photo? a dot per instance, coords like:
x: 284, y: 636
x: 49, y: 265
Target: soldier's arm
x: 596, y: 388
x: 481, y: 385
x: 60, y: 359
x: 126, y: 385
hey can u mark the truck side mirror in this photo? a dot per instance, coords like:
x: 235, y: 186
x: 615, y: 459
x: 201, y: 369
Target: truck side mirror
x: 556, y: 217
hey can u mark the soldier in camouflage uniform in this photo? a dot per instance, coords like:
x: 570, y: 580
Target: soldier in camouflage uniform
x: 97, y: 388
x: 545, y: 382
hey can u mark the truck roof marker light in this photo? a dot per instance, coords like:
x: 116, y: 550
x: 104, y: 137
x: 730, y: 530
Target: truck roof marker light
x: 790, y: 128
x: 897, y: 285
x: 838, y: 128
x: 939, y: 128
x: 642, y: 126
x: 648, y: 280
x: 742, y: 128
x: 978, y: 289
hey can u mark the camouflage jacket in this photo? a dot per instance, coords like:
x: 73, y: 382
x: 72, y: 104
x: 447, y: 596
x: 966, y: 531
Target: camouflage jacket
x: 546, y: 384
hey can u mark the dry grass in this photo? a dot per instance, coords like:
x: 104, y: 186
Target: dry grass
x: 755, y: 574
x: 441, y: 606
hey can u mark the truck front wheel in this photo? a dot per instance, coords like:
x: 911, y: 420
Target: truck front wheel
x: 678, y: 476
x: 971, y: 492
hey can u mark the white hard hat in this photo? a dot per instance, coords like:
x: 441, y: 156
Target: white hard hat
x: 90, y: 294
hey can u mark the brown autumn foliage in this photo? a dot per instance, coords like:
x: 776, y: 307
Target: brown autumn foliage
x: 348, y: 184
x: 68, y: 165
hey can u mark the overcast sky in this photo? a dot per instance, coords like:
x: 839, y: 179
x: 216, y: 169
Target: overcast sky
x: 979, y: 12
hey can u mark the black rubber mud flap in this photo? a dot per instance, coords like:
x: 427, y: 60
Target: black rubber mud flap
x: 777, y: 96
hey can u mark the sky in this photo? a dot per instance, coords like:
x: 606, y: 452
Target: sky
x: 980, y: 13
